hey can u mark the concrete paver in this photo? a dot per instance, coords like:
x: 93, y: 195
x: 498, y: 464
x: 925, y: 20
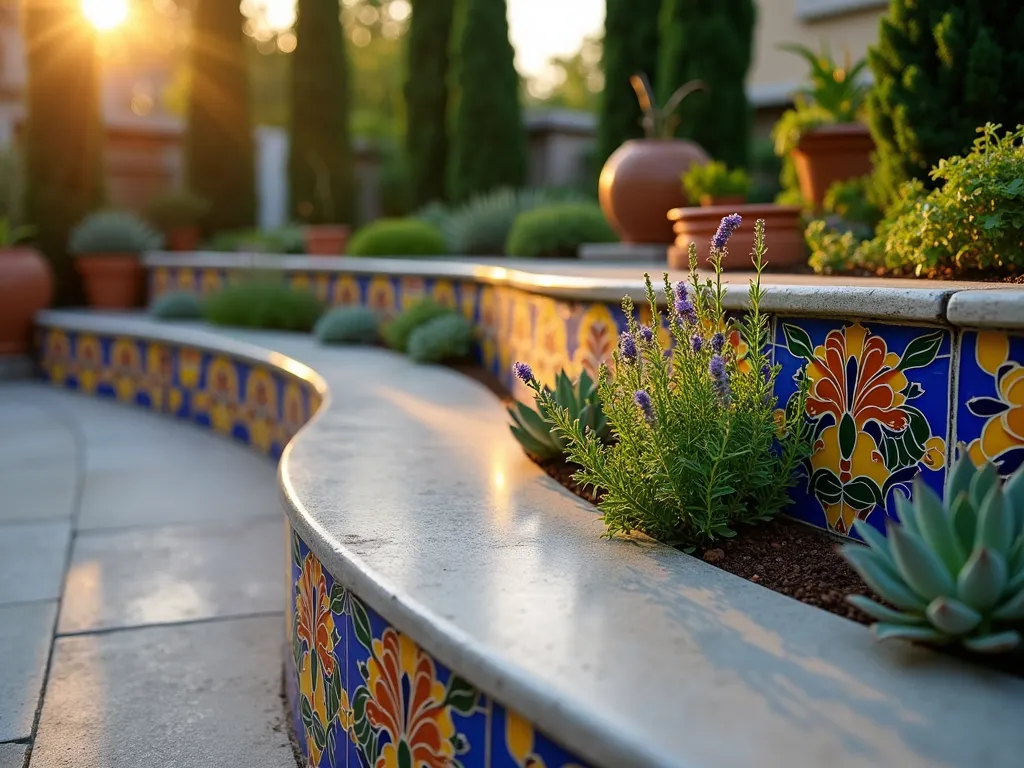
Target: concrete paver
x: 12, y: 755
x: 26, y: 630
x: 43, y: 490
x: 162, y: 575
x: 32, y: 558
x: 189, y: 695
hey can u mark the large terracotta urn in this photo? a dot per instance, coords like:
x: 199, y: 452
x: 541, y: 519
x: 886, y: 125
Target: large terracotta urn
x: 111, y: 280
x: 783, y: 235
x: 831, y: 153
x: 641, y: 182
x: 26, y: 286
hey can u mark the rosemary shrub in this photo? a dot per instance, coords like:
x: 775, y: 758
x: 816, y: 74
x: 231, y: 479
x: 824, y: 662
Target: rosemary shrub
x: 698, y: 446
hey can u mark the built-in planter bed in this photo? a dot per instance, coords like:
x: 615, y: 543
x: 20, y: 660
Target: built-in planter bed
x: 440, y: 583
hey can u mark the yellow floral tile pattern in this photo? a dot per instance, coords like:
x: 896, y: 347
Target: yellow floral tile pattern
x: 990, y: 418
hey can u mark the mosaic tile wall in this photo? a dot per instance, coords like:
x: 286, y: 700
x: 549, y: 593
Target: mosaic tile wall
x: 888, y: 401
x: 257, y: 405
x: 364, y: 695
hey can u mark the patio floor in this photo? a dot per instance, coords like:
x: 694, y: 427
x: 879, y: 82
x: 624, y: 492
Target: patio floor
x: 141, y: 590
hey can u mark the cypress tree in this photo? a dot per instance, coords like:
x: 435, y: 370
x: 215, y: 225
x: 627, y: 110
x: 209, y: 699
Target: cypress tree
x: 220, y: 162
x: 713, y: 41
x: 320, y: 163
x: 426, y: 98
x: 488, y: 137
x: 630, y: 46
x: 942, y: 68
x: 63, y: 131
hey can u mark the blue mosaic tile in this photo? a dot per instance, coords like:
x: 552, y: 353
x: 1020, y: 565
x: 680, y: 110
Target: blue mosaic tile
x: 990, y: 398
x: 516, y: 744
x: 879, y: 405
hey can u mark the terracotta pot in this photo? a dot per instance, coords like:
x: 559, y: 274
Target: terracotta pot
x: 183, y: 239
x: 783, y: 233
x: 326, y: 239
x: 706, y: 201
x: 112, y: 280
x: 641, y: 181
x: 829, y: 154
x: 26, y: 286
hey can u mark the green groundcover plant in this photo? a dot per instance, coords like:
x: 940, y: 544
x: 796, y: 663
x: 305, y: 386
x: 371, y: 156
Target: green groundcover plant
x: 952, y: 571
x: 698, y: 447
x: 269, y: 304
x: 446, y: 338
x: 398, y: 331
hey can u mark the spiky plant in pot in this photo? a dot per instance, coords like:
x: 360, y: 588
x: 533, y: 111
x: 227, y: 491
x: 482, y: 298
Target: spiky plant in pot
x: 954, y: 568
x: 536, y: 432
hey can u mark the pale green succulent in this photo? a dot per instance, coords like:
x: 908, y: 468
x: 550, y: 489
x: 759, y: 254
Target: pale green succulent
x: 538, y: 436
x: 954, y: 570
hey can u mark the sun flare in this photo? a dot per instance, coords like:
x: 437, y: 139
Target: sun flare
x: 105, y: 14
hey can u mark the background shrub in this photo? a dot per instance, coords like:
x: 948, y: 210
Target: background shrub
x: 558, y: 230
x: 449, y: 337
x: 398, y: 331
x: 398, y: 237
x: 264, y: 304
x: 348, y: 325
x: 283, y: 240
x: 480, y: 227
x: 177, y: 305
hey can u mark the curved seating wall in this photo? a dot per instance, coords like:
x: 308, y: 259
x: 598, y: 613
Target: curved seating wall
x: 429, y: 607
x: 916, y: 368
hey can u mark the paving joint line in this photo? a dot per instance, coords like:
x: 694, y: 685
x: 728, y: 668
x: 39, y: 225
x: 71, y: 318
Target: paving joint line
x: 169, y: 624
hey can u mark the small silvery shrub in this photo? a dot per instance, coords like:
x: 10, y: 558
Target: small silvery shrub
x: 480, y: 227
x: 348, y: 325
x: 953, y: 570
x: 177, y: 305
x: 398, y: 331
x: 533, y: 427
x: 448, y: 337
x: 697, y: 446
x: 106, y: 232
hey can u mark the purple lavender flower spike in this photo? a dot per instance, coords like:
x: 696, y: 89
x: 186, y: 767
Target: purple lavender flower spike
x: 697, y: 343
x: 627, y: 344
x: 719, y: 375
x: 729, y: 225
x: 646, y: 335
x: 718, y: 343
x: 643, y: 400
x: 523, y: 372
x: 684, y: 303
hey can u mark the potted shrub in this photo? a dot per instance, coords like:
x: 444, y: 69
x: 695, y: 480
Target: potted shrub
x: 107, y: 245
x: 26, y: 286
x: 822, y: 134
x: 179, y: 215
x: 640, y: 181
x: 715, y: 184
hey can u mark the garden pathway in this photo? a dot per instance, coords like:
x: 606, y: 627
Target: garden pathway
x: 141, y: 591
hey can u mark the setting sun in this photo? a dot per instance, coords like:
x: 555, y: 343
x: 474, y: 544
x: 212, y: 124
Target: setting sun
x: 105, y: 14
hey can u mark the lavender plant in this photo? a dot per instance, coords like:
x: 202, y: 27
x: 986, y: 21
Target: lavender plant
x: 698, y: 446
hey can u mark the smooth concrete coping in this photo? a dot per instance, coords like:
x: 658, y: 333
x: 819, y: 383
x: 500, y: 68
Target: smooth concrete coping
x: 917, y: 301
x: 987, y: 309
x: 409, y: 488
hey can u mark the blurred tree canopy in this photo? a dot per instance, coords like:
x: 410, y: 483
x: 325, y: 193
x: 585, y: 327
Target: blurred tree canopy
x: 571, y: 82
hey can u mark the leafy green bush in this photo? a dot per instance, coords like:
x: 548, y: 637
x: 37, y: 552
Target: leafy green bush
x: 177, y: 305
x: 284, y: 240
x: 480, y: 227
x: 697, y: 447
x: 558, y: 230
x: 263, y: 304
x: 106, y: 232
x: 534, y: 429
x: 850, y: 201
x: 398, y: 237
x: 714, y: 179
x: 348, y: 325
x: 953, y: 571
x: 449, y: 337
x: 398, y: 331
x: 973, y: 221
